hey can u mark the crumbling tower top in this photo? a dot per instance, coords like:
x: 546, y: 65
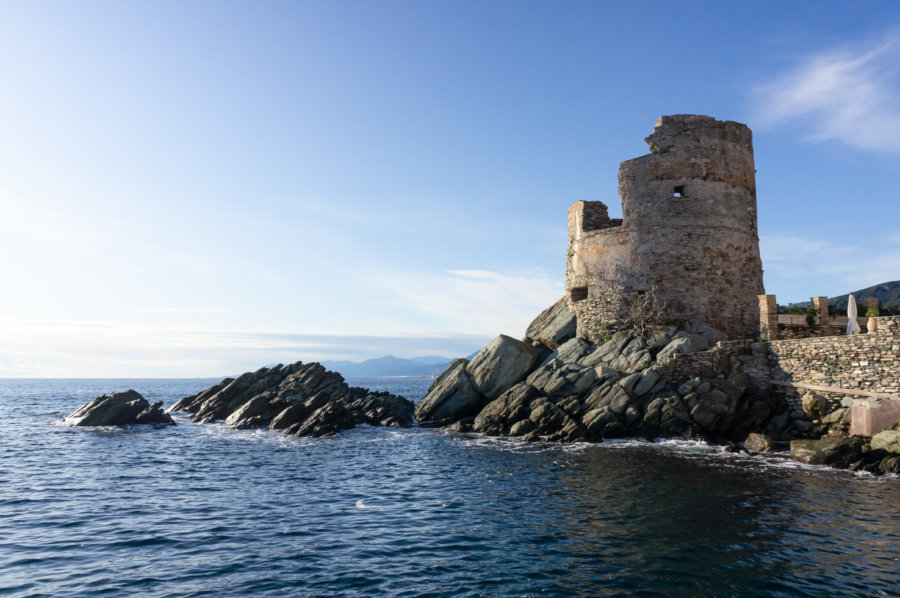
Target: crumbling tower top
x: 688, y: 231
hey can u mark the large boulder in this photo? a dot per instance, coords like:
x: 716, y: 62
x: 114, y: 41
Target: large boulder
x: 451, y: 397
x: 759, y: 443
x: 497, y: 367
x: 120, y: 409
x: 888, y: 440
x: 814, y: 405
x: 554, y: 326
x: 840, y: 451
x: 300, y: 399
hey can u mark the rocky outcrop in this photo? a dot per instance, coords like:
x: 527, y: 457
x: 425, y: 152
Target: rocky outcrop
x: 888, y: 440
x: 299, y: 399
x: 500, y: 365
x: 839, y: 451
x: 583, y: 391
x: 451, y: 397
x: 857, y: 453
x: 554, y: 326
x: 120, y: 409
x: 759, y: 443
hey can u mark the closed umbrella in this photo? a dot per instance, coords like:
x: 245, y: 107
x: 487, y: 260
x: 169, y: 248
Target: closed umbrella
x: 852, y: 326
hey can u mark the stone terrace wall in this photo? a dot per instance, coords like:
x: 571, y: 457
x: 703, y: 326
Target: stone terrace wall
x: 888, y: 324
x: 709, y: 364
x: 798, y: 331
x: 869, y: 362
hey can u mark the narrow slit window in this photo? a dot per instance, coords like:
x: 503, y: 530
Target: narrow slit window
x: 579, y: 293
x: 679, y: 190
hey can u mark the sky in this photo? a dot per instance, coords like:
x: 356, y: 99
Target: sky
x: 193, y: 188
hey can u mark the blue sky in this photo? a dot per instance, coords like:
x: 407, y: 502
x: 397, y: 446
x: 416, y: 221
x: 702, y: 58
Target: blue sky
x: 199, y: 188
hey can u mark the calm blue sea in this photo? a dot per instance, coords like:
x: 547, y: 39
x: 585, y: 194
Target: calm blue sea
x: 203, y: 510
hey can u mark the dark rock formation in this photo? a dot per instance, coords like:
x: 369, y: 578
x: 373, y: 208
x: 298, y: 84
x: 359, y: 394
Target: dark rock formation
x: 300, y: 399
x: 451, y: 397
x: 120, y: 409
x: 500, y: 365
x: 838, y: 451
x: 554, y: 326
x: 583, y: 391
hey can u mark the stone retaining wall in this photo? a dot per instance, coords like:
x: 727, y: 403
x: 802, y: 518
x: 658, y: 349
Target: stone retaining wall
x: 863, y: 361
x: 798, y: 331
x: 888, y: 324
x: 860, y: 362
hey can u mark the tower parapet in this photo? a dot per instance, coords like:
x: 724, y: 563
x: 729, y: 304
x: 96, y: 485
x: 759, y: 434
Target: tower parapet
x: 688, y: 232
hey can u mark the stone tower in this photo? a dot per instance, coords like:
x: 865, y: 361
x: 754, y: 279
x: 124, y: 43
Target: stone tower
x: 687, y: 234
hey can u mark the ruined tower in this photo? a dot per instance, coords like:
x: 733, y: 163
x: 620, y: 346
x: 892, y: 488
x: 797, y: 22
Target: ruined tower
x: 687, y: 235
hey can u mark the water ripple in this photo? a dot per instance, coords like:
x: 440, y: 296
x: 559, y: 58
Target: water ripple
x: 204, y: 510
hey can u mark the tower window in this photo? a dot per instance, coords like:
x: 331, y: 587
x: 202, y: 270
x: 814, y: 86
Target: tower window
x: 579, y: 293
x: 679, y: 190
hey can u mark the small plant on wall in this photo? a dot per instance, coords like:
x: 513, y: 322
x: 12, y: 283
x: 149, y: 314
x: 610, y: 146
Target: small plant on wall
x: 811, y: 313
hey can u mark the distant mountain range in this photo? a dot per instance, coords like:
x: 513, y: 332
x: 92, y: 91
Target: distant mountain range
x: 389, y: 365
x: 888, y: 294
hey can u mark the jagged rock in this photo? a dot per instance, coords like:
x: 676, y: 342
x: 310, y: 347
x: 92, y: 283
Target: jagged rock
x: 660, y: 337
x: 890, y: 464
x: 521, y: 428
x: 554, y: 326
x: 120, y: 409
x: 628, y: 382
x: 676, y: 345
x: 462, y: 426
x: 602, y: 354
x: 508, y: 409
x: 648, y: 381
x: 572, y: 351
x: 710, y: 334
x: 835, y: 416
x: 558, y: 378
x: 839, y: 451
x: 452, y: 396
x: 759, y: 443
x: 888, y: 440
x: 814, y: 405
x: 500, y: 365
x: 301, y: 399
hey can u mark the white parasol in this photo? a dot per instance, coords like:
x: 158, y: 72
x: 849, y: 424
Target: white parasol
x: 852, y: 326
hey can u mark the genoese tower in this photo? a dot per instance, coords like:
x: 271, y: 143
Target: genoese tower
x: 687, y: 236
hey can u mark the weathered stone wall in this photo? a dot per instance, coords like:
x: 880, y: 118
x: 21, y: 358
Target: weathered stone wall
x: 798, y: 331
x: 688, y: 232
x: 867, y: 362
x: 888, y: 324
x: 709, y: 364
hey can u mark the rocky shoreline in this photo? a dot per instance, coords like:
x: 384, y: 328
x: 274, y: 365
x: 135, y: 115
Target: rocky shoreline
x: 556, y: 387
x: 549, y: 386
x: 298, y: 399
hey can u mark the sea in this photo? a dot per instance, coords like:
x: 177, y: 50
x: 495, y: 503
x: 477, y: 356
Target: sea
x: 205, y: 510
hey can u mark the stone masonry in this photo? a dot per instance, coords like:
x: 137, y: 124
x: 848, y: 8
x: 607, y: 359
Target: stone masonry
x: 688, y: 233
x: 864, y: 362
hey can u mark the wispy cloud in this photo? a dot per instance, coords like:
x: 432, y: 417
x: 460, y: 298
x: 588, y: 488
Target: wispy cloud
x: 850, y: 94
x: 182, y: 310
x: 474, y: 301
x: 76, y: 348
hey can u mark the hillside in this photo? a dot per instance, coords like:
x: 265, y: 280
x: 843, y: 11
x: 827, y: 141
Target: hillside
x: 888, y: 294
